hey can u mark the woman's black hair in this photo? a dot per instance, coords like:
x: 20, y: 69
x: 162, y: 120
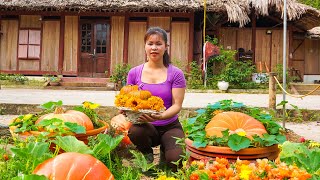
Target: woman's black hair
x: 163, y: 34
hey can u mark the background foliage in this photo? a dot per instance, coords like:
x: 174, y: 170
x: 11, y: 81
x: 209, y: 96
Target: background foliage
x: 313, y: 3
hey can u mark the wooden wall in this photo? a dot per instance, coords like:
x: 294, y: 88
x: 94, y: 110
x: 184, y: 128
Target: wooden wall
x: 262, y: 50
x: 179, y: 41
x: 312, y: 57
x: 268, y: 50
x: 277, y: 49
x: 27, y: 21
x: 298, y: 59
x: 8, y: 44
x: 234, y: 38
x: 50, y: 46
x: 163, y: 22
x: 71, y: 36
x: 136, y: 53
x: 227, y: 38
x: 117, y: 41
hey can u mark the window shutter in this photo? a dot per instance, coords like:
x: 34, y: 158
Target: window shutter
x: 23, y: 37
x: 23, y: 52
x: 34, y: 37
x: 29, y: 44
x: 34, y: 52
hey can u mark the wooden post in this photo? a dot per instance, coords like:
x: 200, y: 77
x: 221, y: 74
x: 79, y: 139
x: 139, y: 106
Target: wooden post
x: 272, y: 90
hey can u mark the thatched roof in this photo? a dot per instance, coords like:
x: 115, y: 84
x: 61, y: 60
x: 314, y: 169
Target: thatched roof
x: 314, y: 33
x: 236, y: 10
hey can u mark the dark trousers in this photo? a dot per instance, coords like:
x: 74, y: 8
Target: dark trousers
x: 145, y: 136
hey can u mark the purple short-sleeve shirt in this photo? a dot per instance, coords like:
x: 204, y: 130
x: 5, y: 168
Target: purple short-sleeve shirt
x: 175, y: 79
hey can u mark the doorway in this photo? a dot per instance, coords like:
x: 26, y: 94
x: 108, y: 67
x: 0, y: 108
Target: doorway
x: 94, y: 48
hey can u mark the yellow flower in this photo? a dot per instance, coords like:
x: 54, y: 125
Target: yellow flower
x: 27, y: 116
x: 90, y: 105
x: 171, y: 178
x: 245, y: 172
x: 162, y: 178
x: 314, y: 144
x: 241, y: 132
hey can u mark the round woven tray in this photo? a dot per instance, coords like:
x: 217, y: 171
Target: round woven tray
x: 132, y: 116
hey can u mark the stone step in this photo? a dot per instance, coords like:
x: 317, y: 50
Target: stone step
x: 83, y: 83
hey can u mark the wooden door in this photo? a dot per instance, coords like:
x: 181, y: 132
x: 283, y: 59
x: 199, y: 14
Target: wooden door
x: 94, y: 49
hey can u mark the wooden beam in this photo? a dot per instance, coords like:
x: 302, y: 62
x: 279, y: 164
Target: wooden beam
x: 191, y: 39
x: 61, y: 44
x: 253, y: 32
x: 290, y: 55
x: 126, y: 39
x: 96, y: 13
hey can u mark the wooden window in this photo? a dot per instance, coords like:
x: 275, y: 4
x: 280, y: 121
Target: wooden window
x: 29, y: 44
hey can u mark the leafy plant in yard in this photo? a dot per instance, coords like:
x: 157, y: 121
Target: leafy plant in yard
x: 195, y: 127
x: 119, y: 74
x: 302, y: 156
x: 23, y: 156
x: 194, y: 79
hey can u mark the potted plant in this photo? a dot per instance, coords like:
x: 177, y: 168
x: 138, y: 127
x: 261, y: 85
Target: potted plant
x: 224, y: 80
x: 119, y: 75
x: 54, y: 81
x: 81, y: 121
x: 219, y: 131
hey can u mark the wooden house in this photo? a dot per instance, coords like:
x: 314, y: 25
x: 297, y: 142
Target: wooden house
x: 256, y: 28
x: 88, y: 38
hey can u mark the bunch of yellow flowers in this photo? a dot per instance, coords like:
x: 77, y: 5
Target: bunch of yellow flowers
x: 138, y: 100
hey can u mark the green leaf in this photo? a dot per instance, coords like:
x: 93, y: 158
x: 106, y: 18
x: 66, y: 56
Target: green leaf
x: 140, y: 161
x: 199, y: 143
x: 76, y: 128
x: 269, y: 139
x: 51, y: 105
x: 282, y: 103
x: 237, y: 142
x: 72, y: 144
x: 30, y: 177
x: 34, y: 152
x: 216, y: 105
x: 192, y: 120
x: 302, y: 156
x: 106, y: 144
x: 200, y: 111
x: 47, y: 122
x: 238, y: 105
x: 281, y: 138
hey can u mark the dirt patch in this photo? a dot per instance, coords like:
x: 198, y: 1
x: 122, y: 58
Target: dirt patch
x: 292, y: 136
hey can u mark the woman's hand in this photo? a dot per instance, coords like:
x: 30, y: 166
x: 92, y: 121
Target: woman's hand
x: 150, y: 118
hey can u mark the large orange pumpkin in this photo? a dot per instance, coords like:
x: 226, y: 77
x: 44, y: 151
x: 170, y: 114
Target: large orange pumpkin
x: 236, y: 122
x: 73, y: 166
x: 69, y: 116
x: 128, y: 88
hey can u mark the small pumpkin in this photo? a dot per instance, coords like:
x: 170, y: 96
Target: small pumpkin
x: 141, y: 94
x: 128, y: 88
x: 73, y: 166
x: 122, y: 126
x: 120, y: 123
x: 236, y: 122
x: 69, y: 116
